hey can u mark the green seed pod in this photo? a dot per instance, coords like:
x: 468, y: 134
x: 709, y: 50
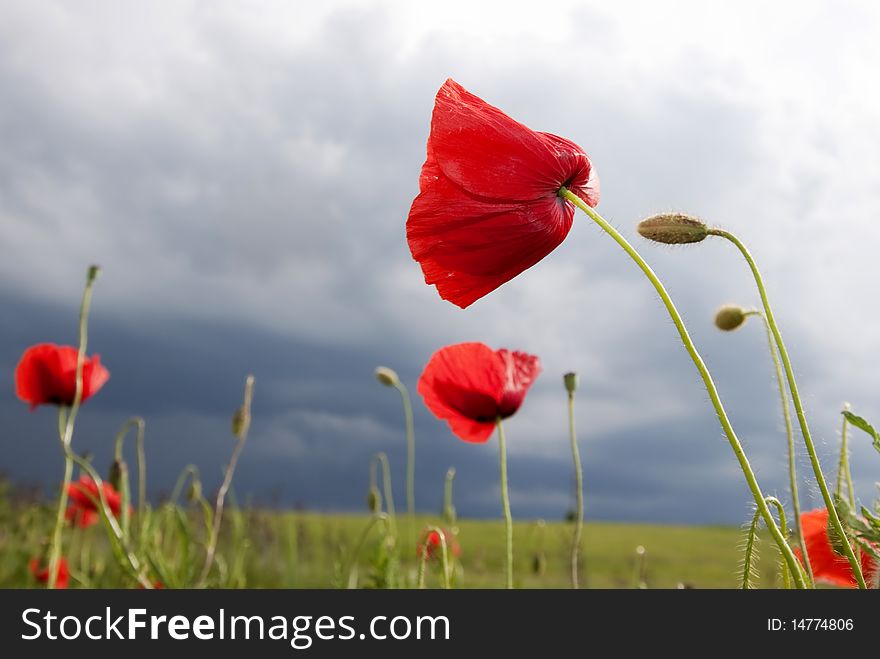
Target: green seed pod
x: 241, y: 421
x: 374, y: 500
x: 386, y: 376
x: 730, y: 317
x: 118, y: 470
x: 673, y: 229
x: 571, y: 382
x: 194, y: 492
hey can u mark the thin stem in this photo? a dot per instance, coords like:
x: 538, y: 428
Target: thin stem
x: 241, y: 425
x: 505, y: 501
x: 449, y: 516
x: 843, y: 470
x: 190, y: 471
x: 359, y: 547
x: 66, y: 420
x: 110, y: 520
x: 749, y: 554
x: 789, y: 434
x: 735, y: 444
x: 579, y: 492
x: 410, y: 460
x: 382, y: 459
x: 798, y: 406
x: 780, y: 509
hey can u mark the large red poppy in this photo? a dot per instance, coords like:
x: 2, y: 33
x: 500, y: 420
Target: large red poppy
x: 41, y: 573
x: 488, y: 206
x: 84, y: 501
x: 46, y: 374
x: 470, y: 386
x: 828, y: 566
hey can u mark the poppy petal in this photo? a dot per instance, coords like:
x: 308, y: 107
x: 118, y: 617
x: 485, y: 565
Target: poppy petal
x: 468, y: 247
x: 488, y: 153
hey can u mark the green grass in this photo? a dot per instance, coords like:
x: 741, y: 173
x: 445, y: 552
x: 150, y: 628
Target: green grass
x: 262, y: 549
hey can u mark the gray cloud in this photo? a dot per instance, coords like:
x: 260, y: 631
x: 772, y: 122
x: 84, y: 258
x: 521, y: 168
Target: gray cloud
x: 244, y: 180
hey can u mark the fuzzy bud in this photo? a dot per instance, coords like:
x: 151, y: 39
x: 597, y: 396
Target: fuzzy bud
x: 194, y: 492
x: 673, y: 229
x: 386, y: 376
x: 374, y: 500
x: 571, y: 381
x: 118, y: 470
x: 241, y: 421
x: 730, y: 317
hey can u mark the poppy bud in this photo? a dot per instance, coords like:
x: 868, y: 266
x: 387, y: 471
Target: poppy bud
x: 374, y: 500
x: 386, y: 376
x: 571, y: 382
x: 730, y: 317
x: 118, y: 469
x: 93, y: 272
x: 539, y: 564
x: 194, y: 492
x: 241, y: 421
x: 673, y: 229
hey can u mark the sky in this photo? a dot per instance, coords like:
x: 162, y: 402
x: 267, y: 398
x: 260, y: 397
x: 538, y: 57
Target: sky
x: 242, y: 172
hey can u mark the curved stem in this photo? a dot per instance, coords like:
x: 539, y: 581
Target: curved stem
x: 505, y: 501
x: 843, y: 472
x: 66, y: 420
x: 749, y: 555
x: 798, y: 406
x: 190, y: 470
x: 359, y: 547
x: 410, y: 460
x: 579, y: 492
x: 789, y: 434
x: 780, y: 509
x: 706, y: 377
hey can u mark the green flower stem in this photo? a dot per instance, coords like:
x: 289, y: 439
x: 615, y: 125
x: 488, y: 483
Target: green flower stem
x: 449, y: 516
x: 798, y: 406
x: 66, y: 420
x: 352, y: 564
x: 843, y: 471
x: 505, y: 501
x: 748, y: 568
x: 410, y: 461
x: 382, y: 459
x: 127, y: 558
x: 444, y: 556
x: 780, y: 509
x: 789, y: 434
x: 752, y: 482
x: 579, y: 492
x: 241, y: 425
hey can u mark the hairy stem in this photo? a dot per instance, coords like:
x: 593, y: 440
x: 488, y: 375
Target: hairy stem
x: 798, y: 406
x: 711, y: 389
x: 505, y: 502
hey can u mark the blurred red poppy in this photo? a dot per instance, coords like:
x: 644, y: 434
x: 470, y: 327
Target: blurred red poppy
x: 41, y: 574
x: 470, y: 386
x: 84, y: 501
x: 431, y: 547
x: 46, y: 374
x: 488, y: 206
x: 828, y: 566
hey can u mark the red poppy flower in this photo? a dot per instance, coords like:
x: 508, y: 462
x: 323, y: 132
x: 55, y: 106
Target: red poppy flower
x: 828, y: 566
x: 488, y: 206
x: 41, y: 574
x: 431, y: 547
x: 46, y: 374
x: 84, y: 501
x: 471, y: 386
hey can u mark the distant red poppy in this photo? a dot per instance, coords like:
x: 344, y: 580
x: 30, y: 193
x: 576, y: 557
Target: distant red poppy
x: 488, y: 206
x: 83, y: 509
x: 828, y: 566
x: 471, y: 386
x: 41, y: 573
x: 431, y: 546
x: 46, y: 374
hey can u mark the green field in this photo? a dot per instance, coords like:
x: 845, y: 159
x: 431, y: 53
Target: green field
x: 262, y: 549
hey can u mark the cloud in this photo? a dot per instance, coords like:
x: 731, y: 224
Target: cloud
x: 243, y: 178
